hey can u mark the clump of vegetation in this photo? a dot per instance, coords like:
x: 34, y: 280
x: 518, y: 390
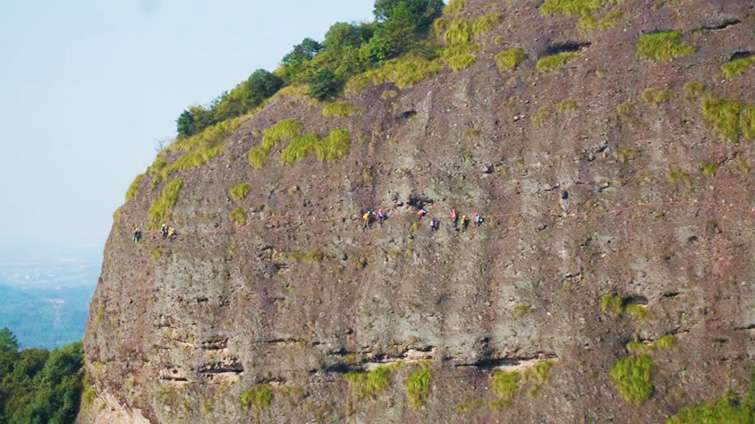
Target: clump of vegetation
x: 636, y: 311
x: 731, y: 119
x: 404, y: 72
x: 370, y: 383
x: 281, y: 131
x: 335, y: 146
x: 160, y: 210
x: 259, y: 396
x: 609, y: 20
x: 240, y: 191
x: 339, y: 109
x: 633, y: 377
x: 314, y: 255
x: 418, y: 386
x: 521, y: 309
x: 542, y: 115
x: 454, y: 7
x: 611, y: 304
x: 573, y: 7
x: 677, y: 176
x: 666, y: 342
x: 656, y: 96
x: 554, y: 62
x: 462, y: 36
x: 626, y: 113
x: 729, y: 408
x: 132, y: 189
x: 625, y: 154
x: 663, y: 45
x: 40, y: 386
x: 566, y: 105
x: 693, y: 90
x: 709, y: 169
x: 737, y: 67
x: 238, y: 216
x: 509, y: 59
x: 506, y: 384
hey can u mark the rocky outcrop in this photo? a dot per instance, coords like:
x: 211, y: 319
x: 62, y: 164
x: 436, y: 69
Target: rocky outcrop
x: 619, y: 224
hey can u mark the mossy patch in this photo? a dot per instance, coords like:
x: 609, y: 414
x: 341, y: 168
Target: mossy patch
x: 259, y: 396
x: 507, y: 384
x: 542, y: 115
x: 240, y: 191
x: 633, y: 377
x: 509, y: 59
x: 566, y: 105
x: 693, y: 90
x: 729, y: 408
x: 238, y: 216
x: 555, y: 62
x: 160, y: 210
x: 611, y: 304
x: 339, y: 109
x: 368, y: 384
x: 280, y: 131
x: 730, y: 119
x: 134, y: 187
x: 418, y: 386
x: 737, y: 67
x: 663, y: 45
x: 656, y: 96
x: 573, y: 7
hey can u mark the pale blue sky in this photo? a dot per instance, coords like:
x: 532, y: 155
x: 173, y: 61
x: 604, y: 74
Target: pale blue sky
x: 89, y: 86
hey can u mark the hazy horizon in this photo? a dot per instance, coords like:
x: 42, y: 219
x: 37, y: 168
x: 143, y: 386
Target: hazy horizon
x: 92, y: 87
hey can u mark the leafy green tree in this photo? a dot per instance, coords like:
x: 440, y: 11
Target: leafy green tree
x: 262, y: 84
x: 294, y: 64
x: 324, y: 84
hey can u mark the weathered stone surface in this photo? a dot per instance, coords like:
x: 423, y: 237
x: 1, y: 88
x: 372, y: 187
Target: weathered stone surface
x: 576, y: 208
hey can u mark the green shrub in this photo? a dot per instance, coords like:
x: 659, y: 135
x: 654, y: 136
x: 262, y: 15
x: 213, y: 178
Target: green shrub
x: 709, y: 169
x: 611, y: 304
x: 134, y: 187
x: 573, y: 7
x: 737, y: 67
x: 238, y: 216
x: 418, y: 386
x: 160, y: 210
x: 339, y: 109
x: 542, y: 115
x: 729, y: 409
x: 656, y: 96
x: 371, y: 383
x: 280, y: 131
x: 506, y: 386
x: 509, y: 59
x: 664, y: 45
x: 554, y: 62
x: 632, y: 377
x: 324, y: 84
x: 259, y: 396
x: 566, y: 105
x: 240, y: 191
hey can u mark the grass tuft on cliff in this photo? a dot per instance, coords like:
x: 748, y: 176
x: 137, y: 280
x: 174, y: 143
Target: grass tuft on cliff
x: 732, y: 120
x: 240, y: 191
x: 368, y: 384
x: 633, y: 377
x: 509, y: 59
x: 339, y: 109
x: 554, y: 62
x: 238, y: 216
x: 280, y: 131
x: 160, y: 210
x: 418, y: 386
x: 134, y: 187
x: 729, y: 408
x: 260, y: 397
x: 737, y: 67
x: 663, y: 45
x: 335, y: 146
x: 403, y: 72
x: 573, y: 7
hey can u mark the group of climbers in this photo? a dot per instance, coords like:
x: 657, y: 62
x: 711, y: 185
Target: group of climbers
x: 166, y: 232
x: 369, y: 216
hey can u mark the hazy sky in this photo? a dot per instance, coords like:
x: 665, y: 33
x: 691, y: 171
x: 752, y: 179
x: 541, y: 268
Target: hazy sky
x: 89, y: 86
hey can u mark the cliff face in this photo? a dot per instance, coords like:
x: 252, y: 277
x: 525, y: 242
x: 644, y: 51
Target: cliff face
x: 611, y: 282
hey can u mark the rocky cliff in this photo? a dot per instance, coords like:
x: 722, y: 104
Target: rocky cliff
x: 610, y: 151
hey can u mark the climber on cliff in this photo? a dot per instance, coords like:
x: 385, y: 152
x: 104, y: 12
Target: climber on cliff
x: 381, y: 216
x: 421, y: 214
x: 367, y: 219
x: 454, y: 219
x: 164, y: 231
x: 478, y: 219
x: 172, y: 233
x: 137, y: 235
x: 464, y: 222
x: 434, y: 224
